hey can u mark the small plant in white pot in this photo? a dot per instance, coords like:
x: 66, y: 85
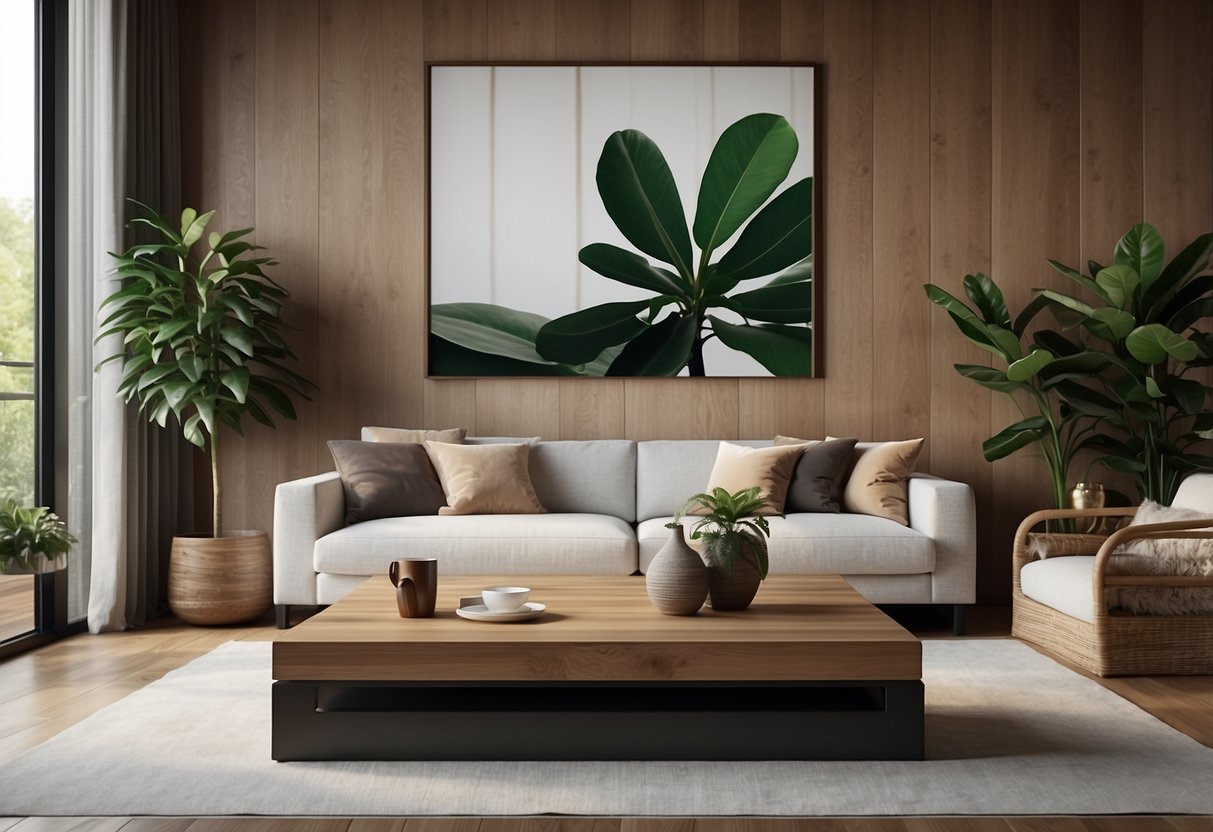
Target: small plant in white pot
x: 32, y: 540
x: 734, y: 544
x: 201, y: 343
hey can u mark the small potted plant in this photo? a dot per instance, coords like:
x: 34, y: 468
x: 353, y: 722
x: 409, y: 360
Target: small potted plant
x: 32, y: 540
x: 734, y: 544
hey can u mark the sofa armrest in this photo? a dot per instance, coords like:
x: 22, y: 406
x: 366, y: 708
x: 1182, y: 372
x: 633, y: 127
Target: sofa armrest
x: 944, y: 511
x: 304, y: 511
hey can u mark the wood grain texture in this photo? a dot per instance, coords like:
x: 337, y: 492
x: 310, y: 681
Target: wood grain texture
x: 1035, y: 209
x: 901, y: 218
x: 599, y: 30
x: 1051, y: 126
x: 1178, y: 134
x: 799, y: 627
x: 16, y: 605
x: 591, y: 409
x: 960, y: 244
x: 847, y: 196
x: 286, y: 150
x: 667, y: 409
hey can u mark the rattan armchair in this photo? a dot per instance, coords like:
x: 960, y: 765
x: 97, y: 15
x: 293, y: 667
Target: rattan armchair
x: 1114, y: 642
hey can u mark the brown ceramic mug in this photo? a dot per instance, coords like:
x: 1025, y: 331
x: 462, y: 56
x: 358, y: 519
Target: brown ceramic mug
x: 416, y: 582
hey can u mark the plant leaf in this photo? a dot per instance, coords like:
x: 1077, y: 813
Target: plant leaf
x: 1013, y: 437
x: 788, y: 303
x: 988, y: 299
x: 663, y: 349
x: 1119, y: 282
x: 780, y: 235
x: 1142, y: 250
x: 627, y: 267
x: 751, y: 157
x: 583, y: 335
x: 1190, y: 262
x: 1082, y: 279
x: 1001, y: 342
x: 990, y: 378
x: 784, y: 350
x: 796, y: 273
x: 1029, y: 366
x: 640, y: 196
x: 491, y: 329
x: 1154, y: 343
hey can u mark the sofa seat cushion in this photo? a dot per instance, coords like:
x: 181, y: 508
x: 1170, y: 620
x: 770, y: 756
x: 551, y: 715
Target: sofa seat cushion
x: 484, y: 543
x: 834, y: 544
x: 1061, y: 583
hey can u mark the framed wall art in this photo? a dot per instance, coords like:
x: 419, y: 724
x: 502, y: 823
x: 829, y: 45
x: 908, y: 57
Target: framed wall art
x: 621, y: 220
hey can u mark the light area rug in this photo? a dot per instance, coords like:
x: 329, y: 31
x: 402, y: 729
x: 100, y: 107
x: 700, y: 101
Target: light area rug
x: 1008, y: 731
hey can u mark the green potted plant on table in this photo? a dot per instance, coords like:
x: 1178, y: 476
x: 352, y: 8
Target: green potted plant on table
x: 32, y: 540
x: 200, y: 342
x: 734, y: 544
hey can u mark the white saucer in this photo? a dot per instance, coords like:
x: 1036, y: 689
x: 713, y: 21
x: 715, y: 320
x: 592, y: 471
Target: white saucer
x: 479, y: 612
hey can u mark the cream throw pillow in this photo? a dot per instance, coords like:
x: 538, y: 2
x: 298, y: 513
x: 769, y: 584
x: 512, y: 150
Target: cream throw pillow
x: 877, y: 484
x: 739, y: 467
x: 374, y: 434
x: 485, y: 479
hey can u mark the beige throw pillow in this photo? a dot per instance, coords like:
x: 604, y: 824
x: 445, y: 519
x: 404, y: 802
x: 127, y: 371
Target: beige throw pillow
x: 485, y: 479
x: 739, y: 467
x: 878, y: 481
x: 451, y: 435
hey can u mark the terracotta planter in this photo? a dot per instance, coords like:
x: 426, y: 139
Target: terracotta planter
x: 221, y: 580
x: 735, y: 590
x: 677, y: 579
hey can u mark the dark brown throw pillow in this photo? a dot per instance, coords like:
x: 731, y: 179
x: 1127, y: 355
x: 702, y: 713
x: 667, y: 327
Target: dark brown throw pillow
x: 816, y: 482
x: 386, y: 479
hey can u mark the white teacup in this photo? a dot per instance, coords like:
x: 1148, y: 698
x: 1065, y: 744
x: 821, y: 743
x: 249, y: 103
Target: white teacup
x: 505, y: 598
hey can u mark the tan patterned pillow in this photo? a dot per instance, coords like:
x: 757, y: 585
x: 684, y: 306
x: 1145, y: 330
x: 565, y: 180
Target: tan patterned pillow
x: 416, y: 436
x: 485, y: 479
x: 739, y: 467
x: 878, y: 482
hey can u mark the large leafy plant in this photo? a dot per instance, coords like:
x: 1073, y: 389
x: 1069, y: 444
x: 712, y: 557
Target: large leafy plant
x: 728, y: 530
x: 751, y: 159
x: 664, y: 331
x: 27, y: 533
x: 1028, y: 372
x: 200, y: 333
x: 1137, y: 341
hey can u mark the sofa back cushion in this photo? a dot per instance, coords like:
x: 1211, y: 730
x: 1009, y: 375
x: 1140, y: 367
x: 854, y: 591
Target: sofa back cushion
x: 582, y: 476
x: 669, y: 471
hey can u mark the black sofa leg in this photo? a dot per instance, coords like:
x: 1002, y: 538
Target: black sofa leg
x: 282, y: 612
x: 958, y: 619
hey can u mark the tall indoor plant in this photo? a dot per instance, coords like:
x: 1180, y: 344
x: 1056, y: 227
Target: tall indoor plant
x: 1137, y: 330
x: 1031, y: 371
x: 201, y: 342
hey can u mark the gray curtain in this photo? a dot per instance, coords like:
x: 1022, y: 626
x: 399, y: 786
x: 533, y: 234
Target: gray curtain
x: 142, y: 489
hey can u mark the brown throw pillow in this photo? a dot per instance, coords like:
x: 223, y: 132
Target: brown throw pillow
x: 374, y: 434
x: 878, y: 481
x: 739, y: 467
x: 383, y: 479
x: 485, y: 479
x: 818, y: 477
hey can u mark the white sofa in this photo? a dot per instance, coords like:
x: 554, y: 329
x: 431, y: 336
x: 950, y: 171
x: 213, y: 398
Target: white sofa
x: 608, y: 502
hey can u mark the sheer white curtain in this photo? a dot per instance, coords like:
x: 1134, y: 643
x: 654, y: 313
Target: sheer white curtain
x: 128, y: 481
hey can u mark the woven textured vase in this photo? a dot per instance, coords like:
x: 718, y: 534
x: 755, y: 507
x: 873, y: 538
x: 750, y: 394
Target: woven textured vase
x: 677, y: 579
x: 736, y: 589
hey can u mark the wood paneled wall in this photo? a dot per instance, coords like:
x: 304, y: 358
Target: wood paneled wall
x: 957, y: 136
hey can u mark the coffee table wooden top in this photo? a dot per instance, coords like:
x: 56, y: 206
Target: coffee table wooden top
x: 597, y: 628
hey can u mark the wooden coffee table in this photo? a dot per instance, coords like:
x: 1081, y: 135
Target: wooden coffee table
x: 810, y: 671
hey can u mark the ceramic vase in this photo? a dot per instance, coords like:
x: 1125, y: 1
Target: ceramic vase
x: 677, y: 579
x: 734, y: 590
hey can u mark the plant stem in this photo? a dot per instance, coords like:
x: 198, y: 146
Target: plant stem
x: 216, y: 490
x: 695, y: 365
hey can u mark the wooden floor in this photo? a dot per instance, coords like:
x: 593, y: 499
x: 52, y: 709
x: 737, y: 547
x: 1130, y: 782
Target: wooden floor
x: 48, y: 690
x: 16, y: 605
